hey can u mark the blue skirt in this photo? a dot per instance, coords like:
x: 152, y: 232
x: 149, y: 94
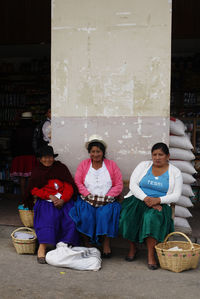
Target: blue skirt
x: 94, y: 222
x: 53, y: 225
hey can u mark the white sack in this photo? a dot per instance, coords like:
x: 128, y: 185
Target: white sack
x: 184, y: 166
x: 182, y: 212
x: 187, y: 190
x: 181, y: 154
x: 177, y: 127
x: 180, y: 142
x: 79, y: 258
x: 182, y: 224
x: 175, y: 248
x: 184, y: 201
x: 188, y: 178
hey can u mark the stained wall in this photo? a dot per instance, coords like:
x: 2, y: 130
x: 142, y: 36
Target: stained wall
x: 110, y: 76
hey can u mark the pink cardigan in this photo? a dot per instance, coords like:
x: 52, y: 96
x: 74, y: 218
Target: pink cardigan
x: 113, y: 169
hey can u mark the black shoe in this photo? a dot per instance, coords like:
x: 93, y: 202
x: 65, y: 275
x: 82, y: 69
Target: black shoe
x: 41, y: 260
x: 131, y: 258
x: 106, y: 255
x: 152, y: 266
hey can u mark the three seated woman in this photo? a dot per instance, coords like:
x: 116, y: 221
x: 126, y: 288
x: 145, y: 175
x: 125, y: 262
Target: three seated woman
x: 96, y: 212
x: 146, y: 214
x: 53, y: 187
x: 60, y: 215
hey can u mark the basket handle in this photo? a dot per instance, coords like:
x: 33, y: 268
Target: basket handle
x: 179, y: 233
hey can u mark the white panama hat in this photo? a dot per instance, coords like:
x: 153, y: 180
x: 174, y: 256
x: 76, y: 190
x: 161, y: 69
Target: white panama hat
x: 26, y: 115
x: 95, y: 138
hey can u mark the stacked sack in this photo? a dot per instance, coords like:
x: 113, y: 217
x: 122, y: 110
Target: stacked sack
x: 181, y: 156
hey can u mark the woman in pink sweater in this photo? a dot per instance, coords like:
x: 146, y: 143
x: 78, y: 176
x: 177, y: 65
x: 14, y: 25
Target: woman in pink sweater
x: 99, y: 181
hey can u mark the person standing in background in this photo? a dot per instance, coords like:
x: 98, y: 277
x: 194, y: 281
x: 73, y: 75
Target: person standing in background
x: 42, y: 133
x: 24, y: 159
x: 46, y: 128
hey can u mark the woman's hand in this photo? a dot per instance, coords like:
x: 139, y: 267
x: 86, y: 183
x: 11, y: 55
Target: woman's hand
x: 53, y: 197
x: 151, y: 201
x: 157, y: 207
x: 58, y: 203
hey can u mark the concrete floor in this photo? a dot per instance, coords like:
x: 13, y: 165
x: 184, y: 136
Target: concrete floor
x: 22, y: 277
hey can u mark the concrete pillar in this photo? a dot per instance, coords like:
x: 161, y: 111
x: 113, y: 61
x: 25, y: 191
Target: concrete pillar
x: 110, y: 76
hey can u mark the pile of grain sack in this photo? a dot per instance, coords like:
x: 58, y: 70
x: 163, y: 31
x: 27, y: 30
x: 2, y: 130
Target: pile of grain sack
x: 181, y: 156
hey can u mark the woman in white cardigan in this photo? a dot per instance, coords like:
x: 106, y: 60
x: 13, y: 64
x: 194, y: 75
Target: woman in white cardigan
x: 146, y: 213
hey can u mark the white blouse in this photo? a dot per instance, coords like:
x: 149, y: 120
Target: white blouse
x: 98, y: 182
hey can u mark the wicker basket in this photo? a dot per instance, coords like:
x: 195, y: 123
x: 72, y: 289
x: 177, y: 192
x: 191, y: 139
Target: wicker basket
x: 25, y: 246
x: 178, y: 261
x: 26, y: 217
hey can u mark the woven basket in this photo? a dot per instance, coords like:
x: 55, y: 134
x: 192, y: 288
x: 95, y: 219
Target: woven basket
x: 178, y: 261
x: 26, y: 217
x: 25, y: 246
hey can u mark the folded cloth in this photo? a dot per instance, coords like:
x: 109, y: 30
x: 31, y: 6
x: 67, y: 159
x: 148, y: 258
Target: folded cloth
x: 21, y: 207
x: 175, y: 248
x: 98, y: 201
x: 23, y: 236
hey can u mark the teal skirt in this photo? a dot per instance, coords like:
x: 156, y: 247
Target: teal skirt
x: 138, y: 221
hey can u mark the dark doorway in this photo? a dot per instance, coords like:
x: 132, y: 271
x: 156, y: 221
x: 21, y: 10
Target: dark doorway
x: 25, y: 80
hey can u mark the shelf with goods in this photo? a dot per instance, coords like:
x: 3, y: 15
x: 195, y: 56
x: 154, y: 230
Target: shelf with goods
x: 185, y: 83
x: 24, y: 86
x: 193, y: 130
x: 185, y: 95
x: 7, y: 185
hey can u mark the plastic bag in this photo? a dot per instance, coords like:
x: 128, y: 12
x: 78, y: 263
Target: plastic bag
x: 79, y: 258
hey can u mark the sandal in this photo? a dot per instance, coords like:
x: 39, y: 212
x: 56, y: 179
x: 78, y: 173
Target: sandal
x: 131, y: 258
x: 41, y: 260
x: 152, y: 266
x: 106, y: 255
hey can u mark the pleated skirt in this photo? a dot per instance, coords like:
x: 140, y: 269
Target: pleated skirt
x: 96, y: 221
x: 22, y: 166
x: 53, y: 225
x: 138, y: 221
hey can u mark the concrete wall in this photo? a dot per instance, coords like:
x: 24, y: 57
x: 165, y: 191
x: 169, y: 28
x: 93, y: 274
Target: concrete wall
x: 110, y: 76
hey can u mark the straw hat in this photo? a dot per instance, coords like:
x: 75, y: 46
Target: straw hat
x: 95, y: 138
x: 26, y: 115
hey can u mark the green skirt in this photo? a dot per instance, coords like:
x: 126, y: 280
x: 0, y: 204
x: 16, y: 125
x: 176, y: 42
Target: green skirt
x: 137, y: 221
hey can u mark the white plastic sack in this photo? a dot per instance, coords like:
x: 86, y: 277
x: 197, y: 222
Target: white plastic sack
x: 184, y: 201
x: 187, y: 190
x: 181, y: 154
x: 182, y: 225
x: 177, y: 127
x: 182, y: 212
x: 180, y: 142
x: 79, y: 258
x: 188, y: 178
x: 184, y: 166
x: 181, y: 222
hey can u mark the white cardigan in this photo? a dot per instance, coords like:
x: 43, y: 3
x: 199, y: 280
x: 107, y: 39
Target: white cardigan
x: 175, y: 183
